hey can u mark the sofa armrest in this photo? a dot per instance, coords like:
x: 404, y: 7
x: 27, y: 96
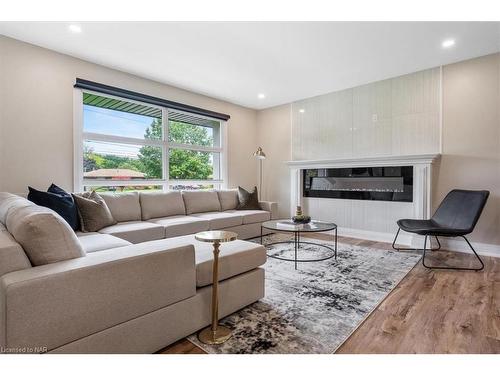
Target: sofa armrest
x: 51, y: 305
x: 272, y: 207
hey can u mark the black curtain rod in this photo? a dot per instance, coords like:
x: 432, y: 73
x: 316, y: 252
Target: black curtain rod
x: 126, y: 94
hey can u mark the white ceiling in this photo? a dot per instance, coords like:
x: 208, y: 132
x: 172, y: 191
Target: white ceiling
x: 285, y: 61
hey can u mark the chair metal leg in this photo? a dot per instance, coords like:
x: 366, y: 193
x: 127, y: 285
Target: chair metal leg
x: 439, y: 244
x: 408, y: 248
x: 454, y: 268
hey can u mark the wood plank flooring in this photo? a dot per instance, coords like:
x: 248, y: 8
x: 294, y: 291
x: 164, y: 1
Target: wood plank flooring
x: 428, y: 312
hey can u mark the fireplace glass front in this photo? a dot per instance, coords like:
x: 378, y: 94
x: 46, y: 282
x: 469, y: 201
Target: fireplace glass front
x: 368, y: 183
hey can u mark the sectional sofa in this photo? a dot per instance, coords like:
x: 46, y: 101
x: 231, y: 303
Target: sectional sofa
x: 138, y: 285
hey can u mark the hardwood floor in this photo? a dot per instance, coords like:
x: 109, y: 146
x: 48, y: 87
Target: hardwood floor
x: 182, y: 347
x: 428, y: 312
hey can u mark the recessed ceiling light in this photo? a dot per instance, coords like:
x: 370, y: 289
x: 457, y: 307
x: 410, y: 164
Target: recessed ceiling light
x: 75, y: 28
x: 302, y: 110
x: 448, y: 43
x: 261, y: 96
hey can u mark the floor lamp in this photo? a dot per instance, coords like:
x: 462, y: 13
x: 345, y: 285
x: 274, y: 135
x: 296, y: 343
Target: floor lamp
x: 259, y: 154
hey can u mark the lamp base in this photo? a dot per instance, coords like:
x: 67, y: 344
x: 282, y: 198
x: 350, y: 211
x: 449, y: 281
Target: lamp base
x: 207, y: 336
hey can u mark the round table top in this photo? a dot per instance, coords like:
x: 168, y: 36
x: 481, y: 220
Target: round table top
x: 289, y: 226
x: 216, y: 236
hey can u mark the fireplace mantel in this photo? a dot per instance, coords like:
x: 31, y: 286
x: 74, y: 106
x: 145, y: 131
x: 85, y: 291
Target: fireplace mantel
x: 376, y: 161
x: 420, y: 208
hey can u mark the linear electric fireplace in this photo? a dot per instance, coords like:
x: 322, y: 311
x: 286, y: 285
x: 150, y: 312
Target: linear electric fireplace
x: 370, y: 183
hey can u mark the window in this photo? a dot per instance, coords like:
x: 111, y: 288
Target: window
x: 194, y: 151
x: 124, y: 145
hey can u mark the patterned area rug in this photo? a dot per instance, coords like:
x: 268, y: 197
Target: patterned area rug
x: 316, y: 308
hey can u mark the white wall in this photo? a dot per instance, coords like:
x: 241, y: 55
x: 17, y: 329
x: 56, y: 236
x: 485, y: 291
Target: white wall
x: 471, y: 137
x: 398, y: 116
x: 273, y: 132
x: 36, y: 145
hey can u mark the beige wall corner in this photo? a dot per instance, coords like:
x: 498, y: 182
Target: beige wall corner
x: 38, y: 142
x: 274, y: 136
x: 471, y: 138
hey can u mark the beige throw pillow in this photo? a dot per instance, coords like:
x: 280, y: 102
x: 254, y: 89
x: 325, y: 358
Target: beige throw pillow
x: 9, y: 202
x: 93, y: 212
x: 44, y: 235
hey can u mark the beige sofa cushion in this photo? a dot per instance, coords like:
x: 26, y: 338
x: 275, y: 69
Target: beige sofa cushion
x: 12, y: 255
x: 44, y: 235
x: 252, y: 216
x: 154, y: 205
x: 228, y: 199
x: 220, y: 220
x: 181, y: 225
x: 123, y: 206
x: 136, y: 231
x: 235, y: 257
x: 92, y: 242
x: 201, y: 201
x: 271, y: 207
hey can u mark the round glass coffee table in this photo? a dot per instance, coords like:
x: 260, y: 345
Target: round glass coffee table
x: 289, y: 226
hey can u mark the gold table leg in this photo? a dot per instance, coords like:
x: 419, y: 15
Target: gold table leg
x: 215, y: 334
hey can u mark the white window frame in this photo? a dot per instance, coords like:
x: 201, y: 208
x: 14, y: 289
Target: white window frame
x: 79, y: 136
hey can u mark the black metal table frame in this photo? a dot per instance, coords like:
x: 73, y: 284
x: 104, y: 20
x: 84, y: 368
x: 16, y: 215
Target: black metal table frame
x: 296, y: 241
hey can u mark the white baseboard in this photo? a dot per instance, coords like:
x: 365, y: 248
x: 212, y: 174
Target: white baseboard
x: 453, y: 244
x: 458, y: 244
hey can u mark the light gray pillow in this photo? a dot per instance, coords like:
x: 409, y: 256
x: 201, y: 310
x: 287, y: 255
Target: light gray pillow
x: 228, y: 199
x: 200, y: 201
x: 44, y: 235
x: 123, y: 206
x: 93, y: 212
x: 155, y: 205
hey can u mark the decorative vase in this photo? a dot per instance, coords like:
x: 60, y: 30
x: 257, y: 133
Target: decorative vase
x: 299, y: 217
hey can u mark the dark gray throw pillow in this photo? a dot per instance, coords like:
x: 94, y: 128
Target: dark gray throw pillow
x: 93, y: 212
x: 247, y: 200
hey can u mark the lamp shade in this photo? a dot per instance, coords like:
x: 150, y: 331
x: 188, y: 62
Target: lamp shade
x: 259, y: 154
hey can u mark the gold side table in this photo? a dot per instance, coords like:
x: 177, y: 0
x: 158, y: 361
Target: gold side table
x: 215, y: 334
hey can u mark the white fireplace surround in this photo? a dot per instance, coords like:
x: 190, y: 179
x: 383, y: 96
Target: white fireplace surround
x: 422, y: 183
